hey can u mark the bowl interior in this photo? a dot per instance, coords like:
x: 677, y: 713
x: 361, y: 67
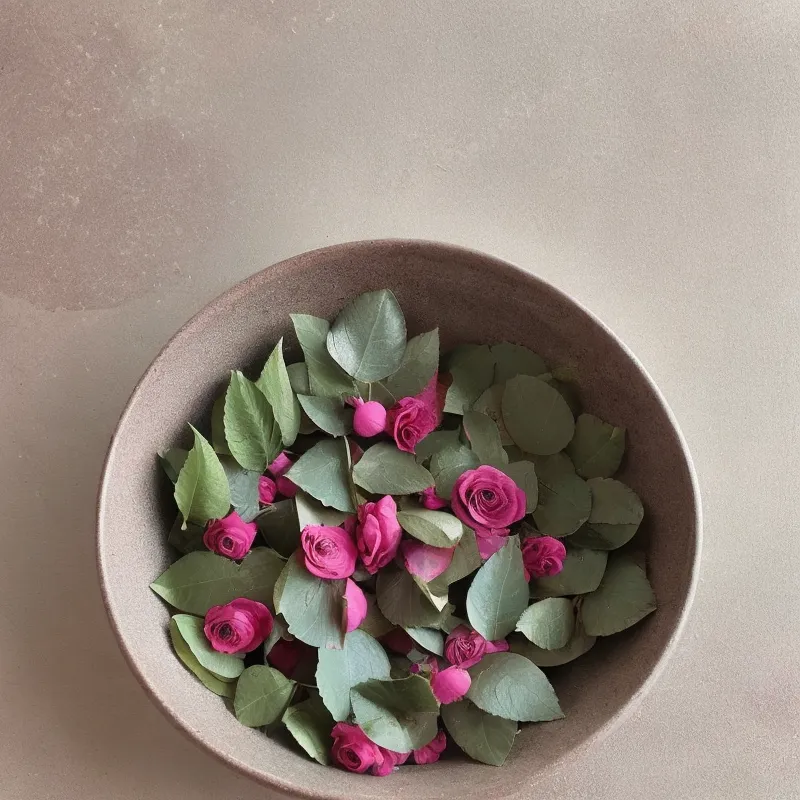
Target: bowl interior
x: 470, y: 297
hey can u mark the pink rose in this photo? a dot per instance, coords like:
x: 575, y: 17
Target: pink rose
x: 230, y: 536
x: 330, y: 552
x: 353, y: 750
x: 238, y: 627
x: 369, y: 419
x: 267, y: 490
x: 278, y: 469
x: 378, y: 533
x: 450, y: 684
x: 489, y: 545
x: 391, y: 759
x: 431, y: 752
x: 411, y: 419
x: 431, y: 500
x: 424, y: 561
x: 355, y: 606
x: 488, y: 501
x: 465, y: 647
x: 286, y: 655
x: 543, y: 556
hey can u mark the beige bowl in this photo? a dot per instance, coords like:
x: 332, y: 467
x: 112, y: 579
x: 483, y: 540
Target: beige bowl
x: 472, y: 297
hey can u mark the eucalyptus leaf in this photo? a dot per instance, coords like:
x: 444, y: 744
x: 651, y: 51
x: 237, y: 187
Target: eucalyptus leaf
x: 428, y: 638
x: 483, y: 737
x: 565, y: 500
x: 484, y: 438
x: 220, y: 664
x: 329, y: 414
x: 253, y: 437
x: 186, y: 537
x: 523, y: 473
x: 209, y: 680
x: 274, y: 382
x: 433, y: 442
x: 383, y: 469
x: 279, y: 527
x: 323, y: 473
x: 325, y: 377
x: 514, y: 359
x: 615, y: 517
x: 172, y: 461
x: 338, y: 671
x: 623, y: 598
x: 582, y: 572
x: 510, y: 686
x: 201, y: 580
x: 549, y: 623
x: 436, y: 528
x: 438, y: 601
x: 243, y: 484
x: 201, y: 491
x: 498, y: 593
x: 400, y: 715
x: 466, y: 559
x: 491, y: 404
x: 262, y: 695
x: 536, y: 416
x: 218, y: 441
x: 449, y: 464
x: 312, y: 606
x: 419, y: 364
x: 472, y: 370
x: 310, y: 724
x: 596, y: 448
x: 312, y: 512
x: 368, y: 338
x: 579, y: 644
x: 402, y: 601
x: 375, y: 624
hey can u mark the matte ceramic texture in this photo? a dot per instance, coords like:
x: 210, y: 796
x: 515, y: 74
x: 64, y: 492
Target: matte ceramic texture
x: 471, y: 297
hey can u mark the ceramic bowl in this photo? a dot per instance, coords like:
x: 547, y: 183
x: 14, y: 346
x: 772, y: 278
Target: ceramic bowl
x: 471, y: 297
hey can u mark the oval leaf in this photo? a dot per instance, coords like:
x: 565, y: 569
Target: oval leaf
x: 375, y: 624
x: 325, y: 377
x: 279, y: 527
x: 536, y: 416
x: 428, y: 638
x: 596, y: 448
x: 250, y: 430
x: 329, y: 414
x: 484, y: 438
x: 277, y: 388
x: 221, y: 664
x: 434, y: 442
x: 548, y: 623
x: 368, y: 338
x: 323, y: 472
x: 583, y: 570
x: 472, y: 371
x: 420, y: 362
x: 209, y: 680
x: 466, y: 559
x: 449, y: 464
x: 436, y: 528
x: 565, y: 500
x: 615, y: 517
x: 491, y: 404
x: 514, y: 359
x: 202, y: 491
x: 623, y: 598
x: 243, y: 484
x: 311, y: 724
x: 579, y: 644
x: 338, y: 671
x: 509, y: 686
x: 498, y: 593
x: 481, y: 736
x: 523, y: 473
x: 262, y: 695
x: 402, y: 601
x: 383, y: 469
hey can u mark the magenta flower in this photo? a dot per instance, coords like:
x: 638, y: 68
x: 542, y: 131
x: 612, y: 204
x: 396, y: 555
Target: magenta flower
x: 355, y: 606
x: 230, y: 536
x: 411, y: 419
x: 369, y: 419
x: 424, y: 561
x: 267, y: 490
x: 543, y: 556
x: 356, y: 753
x: 330, y: 552
x: 278, y: 469
x: 450, y: 685
x: 238, y: 627
x: 431, y: 500
x: 378, y: 533
x: 431, y: 752
x: 465, y: 647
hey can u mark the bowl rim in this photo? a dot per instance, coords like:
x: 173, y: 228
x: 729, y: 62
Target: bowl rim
x: 436, y: 248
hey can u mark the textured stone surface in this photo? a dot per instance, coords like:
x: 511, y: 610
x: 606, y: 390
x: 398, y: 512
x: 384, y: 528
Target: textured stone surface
x: 641, y: 156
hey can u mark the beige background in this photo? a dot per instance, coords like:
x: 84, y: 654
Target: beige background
x: 641, y: 155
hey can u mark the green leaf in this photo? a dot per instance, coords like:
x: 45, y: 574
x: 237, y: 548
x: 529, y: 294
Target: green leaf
x: 221, y: 664
x: 402, y: 601
x: 428, y: 638
x: 491, y: 404
x: 449, y: 464
x: 172, y: 462
x: 368, y: 338
x: 338, y: 671
x: 466, y: 559
x: 243, y: 484
x: 596, y: 448
x: 438, y: 601
x: 623, y: 598
x: 433, y: 442
x: 481, y: 736
x: 250, y: 430
x: 583, y: 570
x: 436, y: 528
x: 209, y: 680
x: 201, y: 491
x: 565, y: 500
x: 523, y: 473
x: 274, y: 382
x: 218, y: 441
x: 484, y: 439
x: 420, y: 362
x: 325, y: 377
x: 472, y: 370
x: 312, y: 512
x: 329, y: 414
x: 298, y: 377
x: 201, y: 580
x: 548, y: 623
x: 186, y: 537
x: 279, y: 527
x: 311, y: 606
x: 375, y: 624
x: 498, y: 593
x: 383, y: 469
x: 311, y: 724
x: 280, y: 630
x: 510, y: 686
x: 323, y: 472
x: 514, y: 359
x: 262, y: 695
x: 398, y: 715
x: 615, y: 517
x: 579, y: 644
x: 536, y: 416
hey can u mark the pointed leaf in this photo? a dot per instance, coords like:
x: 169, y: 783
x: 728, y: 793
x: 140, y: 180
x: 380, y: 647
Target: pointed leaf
x: 298, y: 377
x: 279, y: 527
x: 262, y: 695
x: 325, y: 377
x: 596, y: 448
x: 186, y: 537
x: 383, y: 469
x: 329, y: 414
x: 243, y: 484
x: 436, y: 528
x: 277, y: 388
x: 549, y: 623
x: 201, y: 490
x: 420, y: 362
x: 221, y: 664
x: 210, y: 681
x: 172, y: 461
x: 428, y: 638
x: 218, y: 441
x: 536, y: 416
x: 323, y: 472
x: 402, y: 601
x: 312, y: 512
x: 250, y: 430
x: 472, y: 370
x: 466, y: 559
x: 481, y: 736
x: 311, y: 724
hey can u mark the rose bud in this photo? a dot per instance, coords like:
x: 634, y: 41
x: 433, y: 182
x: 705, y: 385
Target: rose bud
x: 230, y: 536
x: 378, y: 533
x: 450, y: 684
x: 238, y: 627
x: 369, y: 418
x: 330, y: 552
x: 267, y: 490
x: 543, y: 556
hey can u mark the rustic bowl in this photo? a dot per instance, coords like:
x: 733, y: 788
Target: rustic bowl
x: 471, y: 297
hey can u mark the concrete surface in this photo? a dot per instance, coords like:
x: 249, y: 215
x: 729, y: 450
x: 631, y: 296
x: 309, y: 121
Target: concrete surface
x: 641, y: 155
